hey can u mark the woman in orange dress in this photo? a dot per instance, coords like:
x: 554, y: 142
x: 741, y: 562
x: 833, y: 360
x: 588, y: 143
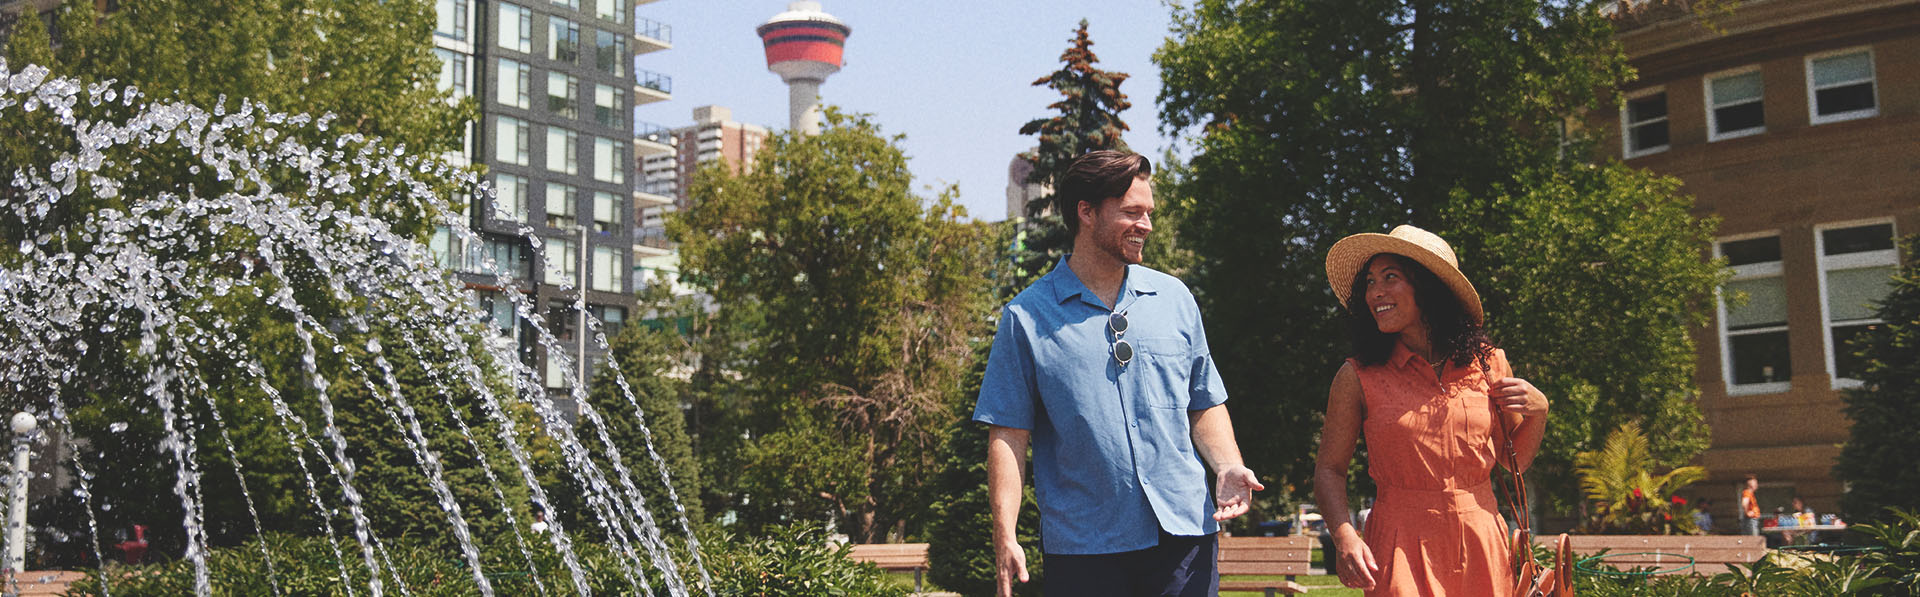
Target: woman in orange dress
x: 1436, y: 401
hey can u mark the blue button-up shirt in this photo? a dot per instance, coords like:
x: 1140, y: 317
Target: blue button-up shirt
x: 1113, y: 455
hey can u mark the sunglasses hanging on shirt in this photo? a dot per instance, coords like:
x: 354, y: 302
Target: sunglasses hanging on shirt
x: 1122, y: 350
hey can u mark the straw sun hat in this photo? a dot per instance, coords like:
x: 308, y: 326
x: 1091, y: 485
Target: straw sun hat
x: 1346, y: 258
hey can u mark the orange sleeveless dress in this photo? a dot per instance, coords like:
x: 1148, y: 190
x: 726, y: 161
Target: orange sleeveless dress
x: 1435, y: 528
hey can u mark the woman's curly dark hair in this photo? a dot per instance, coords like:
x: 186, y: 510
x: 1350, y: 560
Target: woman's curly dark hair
x: 1451, y: 330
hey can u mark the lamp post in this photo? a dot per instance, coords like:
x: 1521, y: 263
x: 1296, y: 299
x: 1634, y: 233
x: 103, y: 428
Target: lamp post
x: 23, y: 426
x: 580, y: 311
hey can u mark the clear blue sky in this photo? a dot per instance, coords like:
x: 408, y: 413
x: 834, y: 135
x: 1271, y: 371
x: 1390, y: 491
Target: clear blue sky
x: 954, y: 77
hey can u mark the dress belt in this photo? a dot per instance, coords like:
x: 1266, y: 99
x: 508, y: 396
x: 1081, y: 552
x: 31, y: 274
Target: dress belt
x: 1470, y: 499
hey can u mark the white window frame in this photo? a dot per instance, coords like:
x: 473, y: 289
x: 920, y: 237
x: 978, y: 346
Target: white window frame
x: 521, y: 31
x: 1626, y: 126
x: 513, y: 82
x: 563, y: 150
x: 562, y: 261
x: 1713, y: 117
x: 608, y: 273
x: 1775, y: 269
x: 509, y: 200
x: 1813, y: 100
x: 567, y: 197
x: 512, y: 149
x: 1825, y: 263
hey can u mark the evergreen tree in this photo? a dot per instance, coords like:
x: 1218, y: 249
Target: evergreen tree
x: 654, y: 361
x: 1087, y: 118
x: 1319, y: 119
x: 1878, y: 461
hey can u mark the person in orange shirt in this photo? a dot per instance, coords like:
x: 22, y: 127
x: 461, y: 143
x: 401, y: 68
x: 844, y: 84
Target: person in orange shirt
x: 1438, y: 404
x: 1749, y: 507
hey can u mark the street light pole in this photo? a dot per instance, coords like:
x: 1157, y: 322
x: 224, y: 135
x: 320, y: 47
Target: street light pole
x: 23, y: 426
x: 580, y: 308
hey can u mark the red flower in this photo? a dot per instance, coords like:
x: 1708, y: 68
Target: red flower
x: 1679, y: 501
x: 1636, y: 493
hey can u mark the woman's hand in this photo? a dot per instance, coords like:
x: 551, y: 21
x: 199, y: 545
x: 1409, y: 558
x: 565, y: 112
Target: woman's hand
x: 1353, y: 560
x: 1515, y: 395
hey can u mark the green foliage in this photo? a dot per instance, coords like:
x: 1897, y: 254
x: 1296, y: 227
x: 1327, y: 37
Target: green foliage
x: 1624, y: 257
x: 1318, y: 119
x: 1877, y: 462
x: 795, y: 562
x: 861, y: 299
x: 1087, y: 118
x: 960, y: 536
x: 654, y: 362
x: 1628, y: 499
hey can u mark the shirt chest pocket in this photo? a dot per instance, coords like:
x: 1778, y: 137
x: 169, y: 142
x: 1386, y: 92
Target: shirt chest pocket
x: 1165, y: 370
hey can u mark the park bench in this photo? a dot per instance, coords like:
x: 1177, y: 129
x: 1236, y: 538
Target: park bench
x: 1712, y: 554
x: 1267, y: 556
x: 894, y: 557
x: 43, y: 583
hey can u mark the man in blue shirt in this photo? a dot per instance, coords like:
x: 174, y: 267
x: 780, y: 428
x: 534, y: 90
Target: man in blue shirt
x: 1103, y: 367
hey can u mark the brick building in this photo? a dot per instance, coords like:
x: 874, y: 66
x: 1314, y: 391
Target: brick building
x: 1795, y: 122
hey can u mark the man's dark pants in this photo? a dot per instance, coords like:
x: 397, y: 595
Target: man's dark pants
x: 1177, y: 567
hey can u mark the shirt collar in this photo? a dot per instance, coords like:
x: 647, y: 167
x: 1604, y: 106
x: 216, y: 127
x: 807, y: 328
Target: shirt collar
x: 1066, y: 285
x: 1401, y: 357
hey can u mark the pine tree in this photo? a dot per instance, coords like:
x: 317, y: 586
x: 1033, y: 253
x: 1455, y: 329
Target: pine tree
x: 1877, y: 462
x: 1087, y: 118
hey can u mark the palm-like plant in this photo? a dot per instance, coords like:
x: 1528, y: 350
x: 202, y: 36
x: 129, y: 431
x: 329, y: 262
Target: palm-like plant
x: 1628, y: 498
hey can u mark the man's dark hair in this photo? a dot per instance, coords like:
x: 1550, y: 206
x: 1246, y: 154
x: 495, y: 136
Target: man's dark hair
x: 1454, y: 335
x: 1095, y: 178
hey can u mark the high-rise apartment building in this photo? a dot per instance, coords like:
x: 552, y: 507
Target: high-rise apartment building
x: 713, y: 137
x: 556, y: 85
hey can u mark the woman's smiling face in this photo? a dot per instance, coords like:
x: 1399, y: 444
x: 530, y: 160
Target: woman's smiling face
x: 1390, y: 294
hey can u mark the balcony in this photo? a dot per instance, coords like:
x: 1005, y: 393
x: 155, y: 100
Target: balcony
x: 650, y: 87
x: 653, y: 194
x: 650, y: 139
x: 651, y: 36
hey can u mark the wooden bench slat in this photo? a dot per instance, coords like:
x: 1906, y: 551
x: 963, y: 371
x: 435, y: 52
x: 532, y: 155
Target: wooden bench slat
x: 1285, y: 587
x: 1230, y: 567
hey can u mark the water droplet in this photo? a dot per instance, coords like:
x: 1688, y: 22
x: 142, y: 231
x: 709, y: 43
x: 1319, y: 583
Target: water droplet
x: 118, y: 427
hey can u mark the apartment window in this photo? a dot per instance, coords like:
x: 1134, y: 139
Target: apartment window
x: 563, y: 150
x: 1733, y: 104
x: 611, y: 318
x: 500, y: 314
x: 610, y: 53
x: 573, y: 4
x: 447, y: 249
x: 561, y: 202
x: 453, y: 72
x: 505, y: 256
x: 559, y: 376
x: 612, y: 10
x: 1857, y: 265
x: 451, y: 19
x: 1840, y: 86
x: 1644, y: 123
x: 516, y: 28
x: 512, y: 139
x: 563, y: 94
x: 563, y: 43
x: 514, y: 86
x: 1753, y: 338
x: 563, y: 261
x: 609, y: 106
x: 610, y: 160
x: 509, y: 198
x: 606, y: 212
x: 609, y: 271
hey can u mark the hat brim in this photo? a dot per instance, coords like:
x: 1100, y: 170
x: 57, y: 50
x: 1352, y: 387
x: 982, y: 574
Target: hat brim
x: 1346, y: 258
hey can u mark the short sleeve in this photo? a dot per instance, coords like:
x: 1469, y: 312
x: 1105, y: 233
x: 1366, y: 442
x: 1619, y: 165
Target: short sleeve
x: 1205, y: 390
x: 1008, y: 393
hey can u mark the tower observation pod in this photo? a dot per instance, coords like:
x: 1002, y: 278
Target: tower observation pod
x: 803, y: 47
